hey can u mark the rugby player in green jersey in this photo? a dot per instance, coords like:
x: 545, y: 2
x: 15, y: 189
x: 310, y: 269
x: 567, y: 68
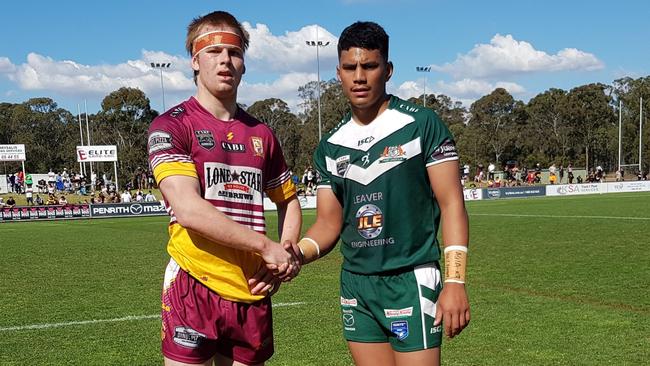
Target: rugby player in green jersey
x: 390, y: 178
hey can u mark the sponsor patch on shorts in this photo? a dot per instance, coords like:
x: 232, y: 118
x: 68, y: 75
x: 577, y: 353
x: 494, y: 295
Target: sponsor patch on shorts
x: 348, y: 302
x: 398, y: 313
x: 187, y: 337
x: 400, y: 329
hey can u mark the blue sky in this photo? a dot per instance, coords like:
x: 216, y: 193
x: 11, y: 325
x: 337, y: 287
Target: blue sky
x: 73, y: 51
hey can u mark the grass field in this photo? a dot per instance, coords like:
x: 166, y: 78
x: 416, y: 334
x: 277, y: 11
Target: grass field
x: 552, y: 281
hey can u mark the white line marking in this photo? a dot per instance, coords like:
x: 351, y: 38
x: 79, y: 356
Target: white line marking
x: 96, y: 321
x: 563, y: 216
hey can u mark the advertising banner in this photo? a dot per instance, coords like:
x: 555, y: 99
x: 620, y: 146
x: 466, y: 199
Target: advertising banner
x: 473, y: 194
x: 514, y: 192
x: 96, y: 153
x: 576, y: 189
x: 25, y: 213
x: 132, y: 209
x: 13, y: 152
x: 631, y: 186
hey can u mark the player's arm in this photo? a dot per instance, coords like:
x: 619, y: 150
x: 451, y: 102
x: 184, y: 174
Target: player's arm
x: 453, y: 305
x: 319, y: 240
x: 323, y: 235
x: 198, y: 215
x: 289, y: 225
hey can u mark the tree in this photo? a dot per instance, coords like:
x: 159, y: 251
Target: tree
x: 286, y: 126
x: 549, y: 129
x: 590, y: 115
x: 496, y: 117
x: 123, y: 121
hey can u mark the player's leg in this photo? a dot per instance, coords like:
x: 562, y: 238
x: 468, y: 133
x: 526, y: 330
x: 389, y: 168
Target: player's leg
x: 429, y: 356
x: 372, y: 354
x: 221, y: 360
x: 170, y: 362
x: 190, y: 312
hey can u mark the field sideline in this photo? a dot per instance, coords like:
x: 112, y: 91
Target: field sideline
x: 552, y: 281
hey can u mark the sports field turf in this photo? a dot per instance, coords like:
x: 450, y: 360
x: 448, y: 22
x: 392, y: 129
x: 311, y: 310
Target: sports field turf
x: 552, y: 281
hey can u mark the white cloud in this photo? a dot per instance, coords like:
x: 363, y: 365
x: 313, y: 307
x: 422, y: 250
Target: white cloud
x: 278, y: 64
x: 6, y: 66
x: 505, y: 55
x: 71, y: 78
x: 271, y: 53
x: 285, y: 88
x: 465, y: 90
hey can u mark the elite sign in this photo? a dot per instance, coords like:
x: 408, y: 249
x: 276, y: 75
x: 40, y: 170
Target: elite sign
x: 96, y: 153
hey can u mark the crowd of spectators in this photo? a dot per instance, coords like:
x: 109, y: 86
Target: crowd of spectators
x: 58, y: 185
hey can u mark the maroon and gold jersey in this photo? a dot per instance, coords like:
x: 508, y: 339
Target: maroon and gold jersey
x: 236, y: 162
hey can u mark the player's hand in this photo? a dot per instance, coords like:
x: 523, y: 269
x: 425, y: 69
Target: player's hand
x: 293, y: 249
x: 453, y: 309
x: 278, y: 260
x: 263, y: 281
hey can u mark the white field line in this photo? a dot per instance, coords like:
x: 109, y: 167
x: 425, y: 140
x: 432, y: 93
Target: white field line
x: 114, y: 320
x: 563, y: 216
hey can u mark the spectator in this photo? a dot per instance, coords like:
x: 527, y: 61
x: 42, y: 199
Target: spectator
x: 29, y: 195
x: 63, y: 201
x: 39, y: 200
x: 561, y: 173
x: 465, y: 172
x: 150, y: 197
x: 126, y: 196
x: 11, y: 202
x: 138, y: 196
x: 11, y: 178
x: 2, y: 202
x: 51, y: 200
x: 579, y: 179
x: 51, y: 177
x: 491, y: 168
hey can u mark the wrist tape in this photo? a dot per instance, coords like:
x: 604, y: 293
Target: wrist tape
x: 309, y: 249
x: 455, y: 263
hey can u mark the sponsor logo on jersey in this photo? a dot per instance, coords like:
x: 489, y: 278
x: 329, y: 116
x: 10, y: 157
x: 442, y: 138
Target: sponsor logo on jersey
x: 369, y: 197
x: 348, y: 302
x: 398, y: 313
x: 233, y: 183
x: 365, y: 160
x: 400, y: 328
x: 258, y: 146
x: 409, y: 108
x: 436, y: 329
x: 205, y: 138
x: 230, y: 136
x: 392, y: 153
x: 342, y: 164
x: 369, y: 221
x: 366, y: 140
x: 233, y: 147
x: 188, y: 337
x: 176, y: 111
x: 446, y: 150
x: 159, y: 141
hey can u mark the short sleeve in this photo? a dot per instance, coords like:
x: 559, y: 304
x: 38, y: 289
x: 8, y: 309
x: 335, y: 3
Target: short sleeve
x: 169, y: 149
x: 320, y: 163
x: 279, y: 187
x: 437, y: 142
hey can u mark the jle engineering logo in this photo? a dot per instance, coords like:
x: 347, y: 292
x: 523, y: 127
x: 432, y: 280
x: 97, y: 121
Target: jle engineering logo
x: 369, y: 221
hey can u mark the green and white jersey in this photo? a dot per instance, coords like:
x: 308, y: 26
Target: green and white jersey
x: 378, y: 173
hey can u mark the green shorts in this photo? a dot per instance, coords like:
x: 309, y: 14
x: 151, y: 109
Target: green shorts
x: 399, y: 309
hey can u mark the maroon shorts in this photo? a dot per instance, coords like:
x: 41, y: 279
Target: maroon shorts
x: 197, y: 323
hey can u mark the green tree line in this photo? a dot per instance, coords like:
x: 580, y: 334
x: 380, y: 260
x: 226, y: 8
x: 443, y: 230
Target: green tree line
x: 578, y: 126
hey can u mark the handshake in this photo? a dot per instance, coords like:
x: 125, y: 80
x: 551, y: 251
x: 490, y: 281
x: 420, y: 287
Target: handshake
x: 282, y: 264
